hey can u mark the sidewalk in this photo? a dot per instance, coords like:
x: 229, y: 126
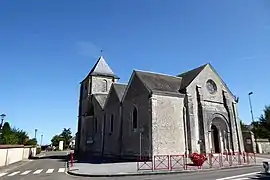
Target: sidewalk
x: 13, y: 165
x: 130, y: 169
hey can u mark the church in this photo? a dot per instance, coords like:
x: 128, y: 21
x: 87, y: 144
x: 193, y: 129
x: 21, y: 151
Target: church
x: 156, y: 114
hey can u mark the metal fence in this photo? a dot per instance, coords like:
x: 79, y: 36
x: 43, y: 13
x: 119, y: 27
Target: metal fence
x: 183, y: 161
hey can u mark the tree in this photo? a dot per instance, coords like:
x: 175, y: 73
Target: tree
x: 265, y: 118
x: 56, y: 139
x: 22, y: 135
x: 31, y: 142
x: 66, y: 135
x: 261, y: 128
x: 8, y: 137
x: 244, y: 127
x: 13, y: 135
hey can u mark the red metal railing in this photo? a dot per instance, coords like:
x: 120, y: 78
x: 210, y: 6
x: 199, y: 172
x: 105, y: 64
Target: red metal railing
x: 162, y: 162
x: 183, y: 161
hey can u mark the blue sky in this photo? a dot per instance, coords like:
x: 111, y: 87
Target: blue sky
x: 47, y: 48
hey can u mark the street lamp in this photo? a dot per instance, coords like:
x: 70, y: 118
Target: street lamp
x: 2, y: 120
x: 41, y: 138
x: 36, y: 133
x: 252, y: 117
x: 1, y: 125
x: 250, y: 105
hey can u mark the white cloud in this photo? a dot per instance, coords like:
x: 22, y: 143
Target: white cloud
x: 87, y: 49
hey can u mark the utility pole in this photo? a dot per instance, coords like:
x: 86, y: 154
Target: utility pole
x: 36, y: 133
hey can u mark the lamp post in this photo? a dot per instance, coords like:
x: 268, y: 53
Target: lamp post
x: 250, y: 105
x: 41, y: 138
x: 36, y: 134
x: 252, y: 118
x: 1, y: 125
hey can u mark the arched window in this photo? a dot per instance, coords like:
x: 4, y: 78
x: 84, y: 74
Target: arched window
x: 135, y: 118
x: 104, y: 86
x: 111, y: 123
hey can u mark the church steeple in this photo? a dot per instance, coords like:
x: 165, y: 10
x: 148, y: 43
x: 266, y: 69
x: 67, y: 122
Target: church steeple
x: 101, y: 68
x: 99, y: 79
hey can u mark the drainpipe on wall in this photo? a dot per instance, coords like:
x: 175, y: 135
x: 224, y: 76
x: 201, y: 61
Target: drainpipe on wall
x: 185, y: 129
x: 103, y: 134
x: 150, y: 146
x: 121, y: 130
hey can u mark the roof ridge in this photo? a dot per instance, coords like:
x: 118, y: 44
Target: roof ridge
x: 157, y: 73
x: 201, y: 66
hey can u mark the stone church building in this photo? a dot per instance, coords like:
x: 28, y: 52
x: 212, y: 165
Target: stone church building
x: 156, y: 114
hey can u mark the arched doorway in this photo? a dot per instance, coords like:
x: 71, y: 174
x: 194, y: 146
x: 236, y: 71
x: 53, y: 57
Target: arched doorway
x: 219, y: 140
x: 215, y: 139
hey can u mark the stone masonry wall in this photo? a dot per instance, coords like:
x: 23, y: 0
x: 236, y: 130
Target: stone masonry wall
x: 112, y: 139
x: 212, y: 103
x: 167, y: 125
x: 97, y: 84
x: 136, y: 143
x: 263, y: 146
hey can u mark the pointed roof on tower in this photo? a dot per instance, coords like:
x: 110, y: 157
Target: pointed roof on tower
x: 101, y: 68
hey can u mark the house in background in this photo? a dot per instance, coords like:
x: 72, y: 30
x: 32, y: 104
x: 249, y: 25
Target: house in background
x: 156, y: 114
x: 72, y: 142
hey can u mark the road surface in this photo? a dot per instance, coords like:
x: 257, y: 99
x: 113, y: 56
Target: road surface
x: 52, y: 167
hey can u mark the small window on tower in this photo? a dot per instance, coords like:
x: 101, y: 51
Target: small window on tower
x: 104, y: 86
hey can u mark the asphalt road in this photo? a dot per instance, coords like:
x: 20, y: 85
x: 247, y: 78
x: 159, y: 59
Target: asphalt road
x: 52, y: 167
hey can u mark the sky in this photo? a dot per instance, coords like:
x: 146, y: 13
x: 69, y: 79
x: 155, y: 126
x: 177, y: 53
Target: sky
x: 48, y: 47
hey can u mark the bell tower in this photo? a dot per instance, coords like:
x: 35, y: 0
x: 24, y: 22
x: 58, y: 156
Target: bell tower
x: 101, y: 77
x: 98, y: 81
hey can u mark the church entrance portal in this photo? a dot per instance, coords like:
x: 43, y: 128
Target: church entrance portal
x: 215, y: 139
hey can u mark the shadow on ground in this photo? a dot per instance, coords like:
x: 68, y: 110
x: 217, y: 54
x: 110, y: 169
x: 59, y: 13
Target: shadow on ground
x: 62, y: 158
x: 261, y: 176
x: 100, y: 160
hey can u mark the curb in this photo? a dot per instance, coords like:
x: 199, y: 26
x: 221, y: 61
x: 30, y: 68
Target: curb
x: 70, y: 172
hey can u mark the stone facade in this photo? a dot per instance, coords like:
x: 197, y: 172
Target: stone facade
x: 156, y: 114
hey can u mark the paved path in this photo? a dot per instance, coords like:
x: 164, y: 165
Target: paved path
x: 226, y: 174
x: 51, y: 166
x: 116, y: 169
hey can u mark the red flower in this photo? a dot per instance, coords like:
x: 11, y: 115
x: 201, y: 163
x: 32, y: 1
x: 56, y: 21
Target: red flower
x: 198, y: 159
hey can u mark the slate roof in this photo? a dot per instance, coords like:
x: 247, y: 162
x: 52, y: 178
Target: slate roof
x: 160, y: 83
x: 101, y: 68
x: 120, y: 90
x: 189, y: 76
x: 101, y: 99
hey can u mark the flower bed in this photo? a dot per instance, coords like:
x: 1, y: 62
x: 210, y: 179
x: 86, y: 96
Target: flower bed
x: 198, y: 159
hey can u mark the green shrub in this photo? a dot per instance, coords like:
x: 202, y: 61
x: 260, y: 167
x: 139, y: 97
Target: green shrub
x: 38, y: 150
